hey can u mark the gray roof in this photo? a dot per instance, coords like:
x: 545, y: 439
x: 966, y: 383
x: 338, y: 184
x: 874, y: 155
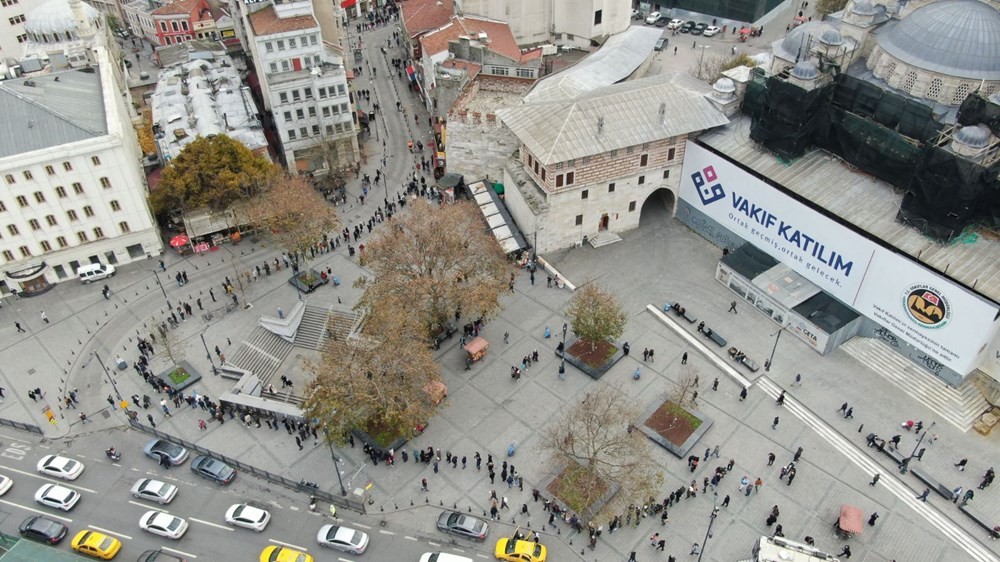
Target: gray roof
x: 620, y: 55
x: 867, y: 203
x: 953, y: 37
x: 48, y: 110
x: 558, y: 131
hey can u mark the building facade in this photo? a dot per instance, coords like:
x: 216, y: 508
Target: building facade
x: 561, y: 21
x: 176, y: 22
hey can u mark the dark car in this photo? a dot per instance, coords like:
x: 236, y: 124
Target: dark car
x: 698, y: 29
x: 661, y: 43
x: 466, y: 526
x: 662, y: 21
x: 173, y: 453
x: 42, y: 529
x: 212, y: 469
x: 688, y: 26
x: 158, y: 556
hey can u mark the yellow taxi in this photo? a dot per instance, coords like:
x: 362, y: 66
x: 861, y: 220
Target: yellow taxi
x: 514, y: 550
x: 283, y: 554
x: 96, y: 544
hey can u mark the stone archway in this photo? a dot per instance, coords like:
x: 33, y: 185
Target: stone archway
x: 658, y: 207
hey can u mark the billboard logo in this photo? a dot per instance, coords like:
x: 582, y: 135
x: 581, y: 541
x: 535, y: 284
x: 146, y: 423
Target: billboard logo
x: 927, y: 305
x: 706, y: 183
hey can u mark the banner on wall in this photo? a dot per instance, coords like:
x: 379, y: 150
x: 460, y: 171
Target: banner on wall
x: 926, y: 309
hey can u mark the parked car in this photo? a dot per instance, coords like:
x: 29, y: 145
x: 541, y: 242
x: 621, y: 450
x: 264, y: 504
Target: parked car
x: 652, y: 17
x: 636, y: 14
x: 284, y: 554
x: 662, y: 21
x: 687, y: 27
x: 710, y: 31
x: 341, y: 538
x: 59, y: 497
x: 42, y: 529
x: 661, y: 44
x: 60, y: 467
x: 207, y: 467
x: 154, y: 490
x: 96, y: 544
x: 5, y: 484
x: 675, y: 24
x: 174, y: 453
x: 163, y: 524
x: 514, y: 550
x: 462, y: 525
x: 243, y: 515
x: 699, y: 28
x: 158, y: 556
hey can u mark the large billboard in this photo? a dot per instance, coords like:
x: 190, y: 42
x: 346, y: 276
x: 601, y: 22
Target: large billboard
x: 924, y: 308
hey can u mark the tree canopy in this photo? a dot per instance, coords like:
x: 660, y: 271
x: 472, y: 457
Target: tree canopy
x: 431, y: 262
x: 827, y: 7
x: 293, y: 211
x: 595, y: 314
x: 211, y: 172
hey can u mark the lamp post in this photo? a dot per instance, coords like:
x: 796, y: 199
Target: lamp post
x: 111, y: 379
x: 711, y: 520
x: 562, y: 363
x: 208, y: 354
x: 336, y: 465
x: 700, y: 61
x: 904, y: 466
x: 156, y: 275
x: 770, y: 360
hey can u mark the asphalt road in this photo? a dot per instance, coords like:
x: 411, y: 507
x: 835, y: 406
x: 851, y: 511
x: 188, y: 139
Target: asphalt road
x: 107, y: 506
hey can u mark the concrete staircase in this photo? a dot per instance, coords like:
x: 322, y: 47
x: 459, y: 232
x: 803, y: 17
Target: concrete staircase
x: 261, y: 354
x: 604, y: 238
x: 961, y: 406
x: 312, y: 331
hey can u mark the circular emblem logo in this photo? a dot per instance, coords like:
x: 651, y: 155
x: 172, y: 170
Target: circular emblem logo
x: 927, y: 306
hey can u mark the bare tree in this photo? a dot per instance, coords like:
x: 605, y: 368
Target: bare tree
x: 170, y: 341
x: 711, y: 68
x: 596, y: 315
x: 826, y: 7
x: 598, y: 441
x: 684, y: 391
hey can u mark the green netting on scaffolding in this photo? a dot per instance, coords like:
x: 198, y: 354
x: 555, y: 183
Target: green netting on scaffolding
x: 787, y: 122
x: 869, y: 146
x: 976, y: 109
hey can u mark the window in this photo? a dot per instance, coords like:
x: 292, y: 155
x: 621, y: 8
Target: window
x: 611, y: 187
x: 500, y: 71
x: 16, y: 19
x: 312, y: 111
x: 10, y: 179
x: 291, y: 43
x: 283, y: 96
x: 613, y: 154
x: 312, y: 39
x: 559, y: 180
x: 296, y: 96
x: 584, y: 194
x: 46, y: 247
x: 598, y: 15
x: 543, y: 174
x: 670, y: 154
x: 81, y: 236
x: 25, y: 252
x: 341, y: 90
x: 308, y: 91
x: 68, y: 166
x: 303, y: 132
x: 8, y: 256
x: 116, y: 206
x: 291, y: 134
x: 631, y: 206
x: 34, y: 224
x: 666, y: 174
x: 12, y: 229
x: 51, y: 219
x: 173, y: 25
x: 645, y: 146
x: 8, y: 3
x: 288, y: 116
x: 642, y: 180
x: 95, y: 160
x: 98, y: 233
x: 326, y: 111
x: 569, y: 178
x: 322, y: 93
x: 3, y: 207
x: 315, y: 130
x: 536, y: 168
x: 60, y: 191
x: 62, y: 242
x: 50, y: 170
x: 281, y: 44
x: 105, y: 183
x: 72, y: 215
x: 274, y: 67
x: 299, y: 114
x: 525, y: 73
x: 579, y: 220
x: 644, y: 159
x: 123, y: 226
x: 77, y: 188
x: 22, y: 200
x: 88, y: 211
x: 27, y: 175
x: 22, y: 38
x: 269, y: 47
x: 285, y: 67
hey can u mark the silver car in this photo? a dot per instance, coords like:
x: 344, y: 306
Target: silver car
x: 342, y: 538
x: 59, y: 497
x: 154, y: 490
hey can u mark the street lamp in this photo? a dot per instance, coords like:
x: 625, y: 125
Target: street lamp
x: 905, y: 464
x: 711, y: 520
x: 112, y: 380
x: 156, y: 275
x: 562, y: 364
x: 336, y: 466
x: 770, y: 360
x: 700, y: 61
x: 208, y: 354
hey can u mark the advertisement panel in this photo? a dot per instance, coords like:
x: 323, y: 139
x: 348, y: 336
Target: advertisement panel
x: 928, y: 310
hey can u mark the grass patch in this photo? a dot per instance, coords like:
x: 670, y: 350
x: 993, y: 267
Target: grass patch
x: 680, y: 412
x: 593, y: 355
x: 578, y: 487
x: 178, y: 375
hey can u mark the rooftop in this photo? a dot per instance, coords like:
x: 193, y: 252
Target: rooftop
x: 865, y: 202
x: 499, y: 37
x: 613, y: 117
x: 421, y: 16
x: 267, y: 22
x: 489, y: 93
x: 47, y: 110
x: 177, y: 8
x: 620, y: 55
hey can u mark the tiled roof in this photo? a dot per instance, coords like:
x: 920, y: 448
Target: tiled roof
x: 420, y: 16
x: 471, y: 68
x: 499, y: 37
x: 613, y: 117
x: 267, y: 22
x: 177, y: 8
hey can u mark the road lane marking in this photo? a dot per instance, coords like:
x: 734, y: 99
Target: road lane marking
x: 409, y: 538
x: 386, y: 532
x: 362, y: 526
x: 433, y: 543
x: 181, y: 552
x: 209, y: 523
x: 289, y: 545
x: 458, y: 550
x: 345, y: 560
x: 18, y: 439
x: 66, y: 483
x: 109, y: 532
x: 46, y: 513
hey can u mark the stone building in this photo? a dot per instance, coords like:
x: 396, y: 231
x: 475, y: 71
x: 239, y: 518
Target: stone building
x: 576, y: 22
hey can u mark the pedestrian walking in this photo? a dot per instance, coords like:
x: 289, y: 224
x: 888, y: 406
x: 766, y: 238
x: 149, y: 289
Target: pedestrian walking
x: 743, y: 394
x: 797, y: 455
x: 732, y: 307
x: 843, y: 409
x: 872, y: 519
x: 725, y: 501
x: 774, y: 424
x: 961, y: 464
x: 44, y: 317
x: 684, y: 359
x: 955, y: 494
x: 770, y: 459
x: 19, y: 328
x: 781, y: 399
x: 631, y: 556
x: 846, y: 553
x: 695, y: 549
x: 423, y: 484
x: 875, y: 479
x: 850, y: 414
x: 798, y: 379
x: 715, y: 452
x: 923, y: 496
x: 653, y: 539
x: 202, y: 425
x: 969, y: 494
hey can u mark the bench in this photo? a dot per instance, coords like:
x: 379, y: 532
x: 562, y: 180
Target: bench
x: 895, y: 455
x: 980, y: 519
x: 669, y: 307
x: 931, y: 482
x: 750, y: 364
x: 714, y: 336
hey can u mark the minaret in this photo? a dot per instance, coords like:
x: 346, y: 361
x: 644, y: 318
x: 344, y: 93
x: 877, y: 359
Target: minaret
x: 84, y: 31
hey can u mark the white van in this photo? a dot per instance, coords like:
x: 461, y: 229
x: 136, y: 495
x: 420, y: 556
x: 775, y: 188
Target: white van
x: 443, y: 557
x: 95, y: 272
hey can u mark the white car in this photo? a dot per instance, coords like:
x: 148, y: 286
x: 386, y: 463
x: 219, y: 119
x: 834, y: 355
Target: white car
x: 243, y: 515
x: 154, y: 490
x: 675, y: 24
x: 60, y: 467
x: 342, y: 538
x: 163, y: 524
x: 710, y: 31
x: 59, y: 497
x: 651, y: 18
x: 5, y: 484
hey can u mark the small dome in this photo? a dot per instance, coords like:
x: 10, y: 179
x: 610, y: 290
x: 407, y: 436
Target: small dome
x: 805, y: 70
x: 863, y: 8
x: 959, y: 38
x: 55, y: 16
x: 831, y: 37
x: 975, y: 136
x: 724, y: 86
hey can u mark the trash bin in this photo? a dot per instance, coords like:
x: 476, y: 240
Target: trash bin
x: 122, y: 364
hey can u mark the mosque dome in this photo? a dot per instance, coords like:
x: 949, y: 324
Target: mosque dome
x: 958, y: 38
x: 724, y: 86
x: 831, y: 37
x: 805, y: 70
x: 56, y: 16
x: 975, y: 136
x: 863, y: 8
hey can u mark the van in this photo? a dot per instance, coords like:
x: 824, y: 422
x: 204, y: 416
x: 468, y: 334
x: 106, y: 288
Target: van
x: 95, y: 272
x: 443, y: 557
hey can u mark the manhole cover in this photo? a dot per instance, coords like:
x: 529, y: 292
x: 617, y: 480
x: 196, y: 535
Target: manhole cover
x: 106, y: 414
